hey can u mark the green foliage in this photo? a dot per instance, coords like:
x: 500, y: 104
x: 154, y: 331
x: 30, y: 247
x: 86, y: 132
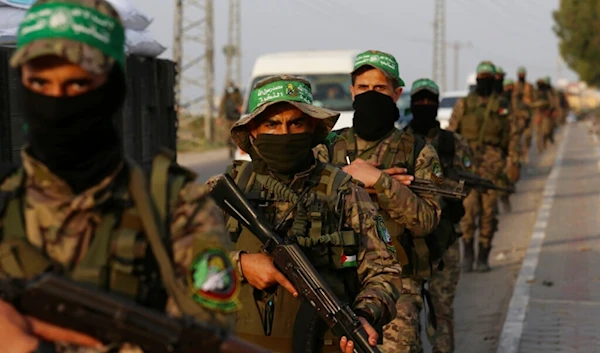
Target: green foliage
x: 577, y: 25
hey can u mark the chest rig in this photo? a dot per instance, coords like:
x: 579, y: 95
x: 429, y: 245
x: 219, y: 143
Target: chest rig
x: 314, y: 216
x: 121, y: 256
x: 482, y: 123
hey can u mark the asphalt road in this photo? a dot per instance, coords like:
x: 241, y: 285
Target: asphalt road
x: 206, y: 164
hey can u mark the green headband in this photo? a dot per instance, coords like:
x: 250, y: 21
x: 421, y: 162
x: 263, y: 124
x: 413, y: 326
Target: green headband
x: 425, y: 84
x: 522, y: 70
x: 280, y: 91
x: 508, y: 81
x: 486, y: 68
x: 74, y: 22
x: 382, y: 61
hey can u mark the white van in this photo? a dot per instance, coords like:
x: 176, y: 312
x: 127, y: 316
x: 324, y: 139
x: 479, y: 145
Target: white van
x: 471, y: 83
x: 328, y: 72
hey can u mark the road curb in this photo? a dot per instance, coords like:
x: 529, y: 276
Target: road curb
x: 512, y: 330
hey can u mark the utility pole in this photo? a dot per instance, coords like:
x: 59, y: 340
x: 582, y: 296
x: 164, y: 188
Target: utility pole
x: 439, y: 44
x: 233, y: 48
x: 193, y: 53
x: 457, y: 46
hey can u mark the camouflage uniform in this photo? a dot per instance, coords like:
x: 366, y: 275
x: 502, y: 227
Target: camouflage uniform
x: 402, y: 209
x: 71, y: 230
x: 523, y: 94
x: 443, y: 284
x: 545, y: 104
x: 491, y: 141
x: 364, y: 253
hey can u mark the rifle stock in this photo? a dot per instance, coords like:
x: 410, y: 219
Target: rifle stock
x: 115, y: 320
x: 291, y: 261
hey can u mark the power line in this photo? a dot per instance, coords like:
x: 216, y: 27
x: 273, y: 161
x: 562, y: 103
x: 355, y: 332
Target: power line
x: 233, y: 48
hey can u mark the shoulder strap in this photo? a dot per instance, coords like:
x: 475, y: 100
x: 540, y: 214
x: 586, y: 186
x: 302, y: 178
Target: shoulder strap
x: 418, y: 145
x: 446, y: 148
x: 167, y: 178
x: 486, y: 117
x: 394, y: 147
x: 245, y: 176
x: 154, y: 234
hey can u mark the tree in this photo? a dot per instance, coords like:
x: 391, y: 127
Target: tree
x: 577, y: 25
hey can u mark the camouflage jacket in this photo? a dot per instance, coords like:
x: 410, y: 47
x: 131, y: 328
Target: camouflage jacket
x: 462, y: 159
x: 379, y: 274
x: 523, y: 94
x: 499, y: 132
x: 63, y: 227
x: 418, y: 213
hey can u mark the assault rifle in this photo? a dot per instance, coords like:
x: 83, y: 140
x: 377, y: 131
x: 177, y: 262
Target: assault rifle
x: 291, y: 261
x: 115, y: 320
x: 424, y: 186
x: 473, y: 181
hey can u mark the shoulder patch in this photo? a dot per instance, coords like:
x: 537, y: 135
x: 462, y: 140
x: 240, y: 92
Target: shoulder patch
x: 466, y: 161
x: 436, y: 173
x: 213, y: 280
x: 384, y: 234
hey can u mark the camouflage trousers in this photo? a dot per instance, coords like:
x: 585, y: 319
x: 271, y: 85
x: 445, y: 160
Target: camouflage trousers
x: 526, y: 143
x: 483, y: 206
x: 442, y: 288
x: 544, y: 131
x: 402, y: 335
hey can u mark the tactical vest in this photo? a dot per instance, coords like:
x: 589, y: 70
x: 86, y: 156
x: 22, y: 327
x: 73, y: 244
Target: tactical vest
x: 413, y: 253
x: 330, y: 245
x: 130, y: 252
x: 445, y: 232
x: 482, y: 122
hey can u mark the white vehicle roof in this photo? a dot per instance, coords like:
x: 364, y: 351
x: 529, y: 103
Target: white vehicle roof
x: 461, y: 93
x: 305, y: 62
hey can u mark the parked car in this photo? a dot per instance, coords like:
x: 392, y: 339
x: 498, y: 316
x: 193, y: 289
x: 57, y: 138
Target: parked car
x: 447, y: 102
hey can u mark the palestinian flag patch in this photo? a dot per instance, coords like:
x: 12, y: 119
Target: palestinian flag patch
x: 349, y: 260
x: 503, y: 111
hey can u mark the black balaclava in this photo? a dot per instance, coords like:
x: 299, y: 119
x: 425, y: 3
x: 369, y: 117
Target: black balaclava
x: 522, y: 78
x: 485, y: 86
x: 75, y: 136
x: 498, y: 85
x: 424, y: 115
x: 374, y: 115
x: 508, y: 93
x: 282, y: 155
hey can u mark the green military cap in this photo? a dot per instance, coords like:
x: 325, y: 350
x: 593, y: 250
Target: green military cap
x: 547, y: 79
x: 425, y: 84
x: 500, y: 71
x: 88, y: 33
x: 508, y: 81
x: 384, y: 62
x: 289, y: 89
x: 486, y: 67
x: 522, y: 70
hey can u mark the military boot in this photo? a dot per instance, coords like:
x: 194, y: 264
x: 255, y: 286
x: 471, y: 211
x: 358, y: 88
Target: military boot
x: 482, y: 259
x: 469, y: 256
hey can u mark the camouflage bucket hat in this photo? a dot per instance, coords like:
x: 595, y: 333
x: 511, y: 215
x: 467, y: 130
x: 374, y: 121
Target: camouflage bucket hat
x: 88, y: 33
x: 425, y: 84
x: 486, y: 67
x: 277, y: 89
x: 383, y: 62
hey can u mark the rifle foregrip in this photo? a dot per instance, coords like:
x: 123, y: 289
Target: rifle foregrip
x: 361, y: 342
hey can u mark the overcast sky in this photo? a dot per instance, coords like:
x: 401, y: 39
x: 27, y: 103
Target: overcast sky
x: 508, y: 32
